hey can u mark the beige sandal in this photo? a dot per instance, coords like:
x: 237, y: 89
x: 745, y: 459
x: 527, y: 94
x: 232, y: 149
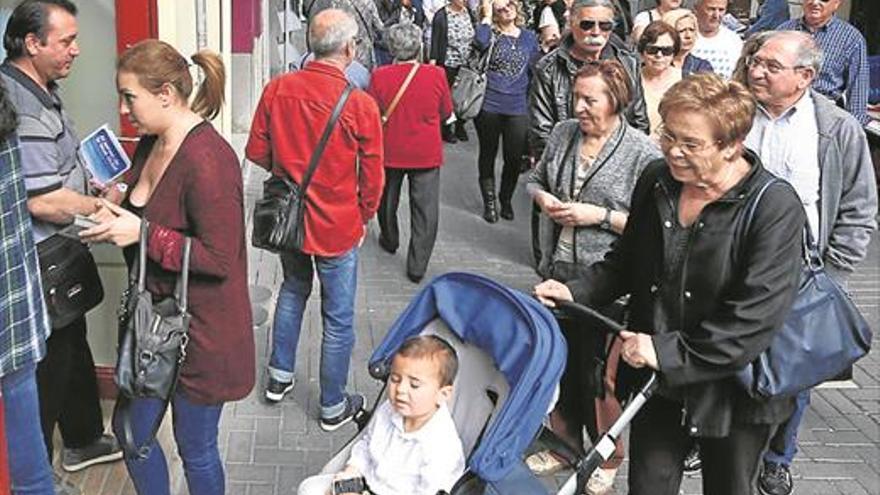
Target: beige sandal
x: 544, y: 463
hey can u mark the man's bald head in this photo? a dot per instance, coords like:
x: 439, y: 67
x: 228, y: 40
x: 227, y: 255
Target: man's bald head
x: 330, y: 31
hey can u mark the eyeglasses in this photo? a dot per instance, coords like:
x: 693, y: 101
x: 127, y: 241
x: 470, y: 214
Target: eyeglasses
x: 667, y: 51
x: 668, y: 140
x: 771, y: 66
x: 503, y: 8
x: 589, y: 24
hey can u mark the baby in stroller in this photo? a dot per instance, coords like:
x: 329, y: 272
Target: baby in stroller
x: 411, y: 446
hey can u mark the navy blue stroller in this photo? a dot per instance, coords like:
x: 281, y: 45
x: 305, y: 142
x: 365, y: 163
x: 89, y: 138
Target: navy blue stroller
x: 511, y: 356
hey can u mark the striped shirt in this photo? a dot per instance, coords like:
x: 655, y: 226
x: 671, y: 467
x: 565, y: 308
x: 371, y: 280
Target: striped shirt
x: 844, y: 66
x: 49, y: 146
x: 24, y: 325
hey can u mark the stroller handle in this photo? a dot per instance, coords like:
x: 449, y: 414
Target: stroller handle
x: 577, y: 310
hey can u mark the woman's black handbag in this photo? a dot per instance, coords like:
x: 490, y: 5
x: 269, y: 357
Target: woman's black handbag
x: 278, y: 216
x: 469, y: 87
x: 70, y: 280
x: 823, y: 334
x: 152, y: 342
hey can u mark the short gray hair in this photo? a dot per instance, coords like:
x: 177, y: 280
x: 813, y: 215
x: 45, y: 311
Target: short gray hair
x: 404, y: 40
x: 808, y: 53
x: 327, y: 39
x: 577, y: 5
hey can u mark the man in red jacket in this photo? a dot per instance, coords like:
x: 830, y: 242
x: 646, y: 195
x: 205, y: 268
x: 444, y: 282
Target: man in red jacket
x: 343, y: 195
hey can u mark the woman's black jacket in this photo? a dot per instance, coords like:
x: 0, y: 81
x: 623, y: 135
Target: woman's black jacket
x: 733, y: 291
x: 439, y: 35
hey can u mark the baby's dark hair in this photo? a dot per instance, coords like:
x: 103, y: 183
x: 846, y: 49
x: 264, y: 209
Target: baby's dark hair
x: 432, y: 347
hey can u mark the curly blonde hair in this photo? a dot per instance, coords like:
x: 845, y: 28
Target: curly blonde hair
x: 520, y: 14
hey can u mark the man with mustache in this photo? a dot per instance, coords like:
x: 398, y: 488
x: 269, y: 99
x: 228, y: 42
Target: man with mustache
x: 804, y: 138
x: 590, y: 39
x: 716, y: 43
x: 844, y: 76
x: 41, y: 46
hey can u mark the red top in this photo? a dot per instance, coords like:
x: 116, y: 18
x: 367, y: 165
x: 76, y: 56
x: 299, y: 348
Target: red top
x: 347, y: 185
x: 412, y: 133
x: 201, y: 196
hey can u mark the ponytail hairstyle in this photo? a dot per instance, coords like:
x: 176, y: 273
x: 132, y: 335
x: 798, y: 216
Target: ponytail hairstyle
x: 156, y: 63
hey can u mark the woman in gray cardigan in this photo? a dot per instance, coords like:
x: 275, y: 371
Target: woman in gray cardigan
x: 583, y: 184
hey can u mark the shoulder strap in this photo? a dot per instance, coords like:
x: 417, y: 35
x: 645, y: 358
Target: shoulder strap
x: 753, y: 204
x: 396, y: 100
x: 319, y: 149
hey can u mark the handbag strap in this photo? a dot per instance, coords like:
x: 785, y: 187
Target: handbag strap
x: 319, y: 149
x: 396, y: 100
x: 142, y: 256
x: 181, y: 291
x: 810, y: 250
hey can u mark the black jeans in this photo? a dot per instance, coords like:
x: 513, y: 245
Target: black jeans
x: 512, y: 129
x: 424, y: 207
x: 68, y: 388
x: 659, y: 444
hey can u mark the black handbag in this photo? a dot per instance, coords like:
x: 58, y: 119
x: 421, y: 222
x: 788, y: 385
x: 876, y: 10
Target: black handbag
x: 278, y: 215
x: 823, y: 334
x: 469, y: 87
x: 152, y: 343
x: 70, y: 280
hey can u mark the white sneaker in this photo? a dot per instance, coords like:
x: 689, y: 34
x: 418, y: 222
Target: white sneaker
x: 601, y: 482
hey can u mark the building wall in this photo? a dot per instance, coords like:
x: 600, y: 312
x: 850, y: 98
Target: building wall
x: 178, y: 25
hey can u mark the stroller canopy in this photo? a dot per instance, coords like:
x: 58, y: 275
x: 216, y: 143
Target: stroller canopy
x: 520, y: 335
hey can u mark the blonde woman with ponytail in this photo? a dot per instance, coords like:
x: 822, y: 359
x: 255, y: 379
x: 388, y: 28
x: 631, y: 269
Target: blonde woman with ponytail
x: 185, y: 181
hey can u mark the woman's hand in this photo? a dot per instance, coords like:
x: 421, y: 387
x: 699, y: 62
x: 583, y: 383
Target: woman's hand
x: 577, y: 214
x: 548, y: 202
x: 118, y: 225
x: 550, y: 291
x: 638, y: 350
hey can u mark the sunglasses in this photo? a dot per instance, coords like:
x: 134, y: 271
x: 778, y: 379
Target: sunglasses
x: 667, y: 51
x: 589, y: 24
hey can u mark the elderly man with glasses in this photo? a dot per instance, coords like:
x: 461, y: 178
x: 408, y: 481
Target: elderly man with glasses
x: 844, y: 76
x: 802, y: 137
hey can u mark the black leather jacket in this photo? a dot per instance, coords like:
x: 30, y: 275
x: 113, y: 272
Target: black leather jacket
x: 550, y: 99
x: 720, y: 311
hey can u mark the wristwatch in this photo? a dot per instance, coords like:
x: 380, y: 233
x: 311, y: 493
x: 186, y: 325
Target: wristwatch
x: 606, y: 222
x: 350, y: 485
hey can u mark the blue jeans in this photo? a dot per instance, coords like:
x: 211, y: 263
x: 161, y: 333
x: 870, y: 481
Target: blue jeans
x: 28, y: 462
x: 338, y: 277
x: 783, y: 445
x: 195, y: 431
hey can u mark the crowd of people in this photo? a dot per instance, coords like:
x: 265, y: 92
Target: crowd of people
x: 643, y: 136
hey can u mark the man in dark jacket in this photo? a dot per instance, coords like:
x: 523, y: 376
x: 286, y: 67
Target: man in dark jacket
x: 550, y: 101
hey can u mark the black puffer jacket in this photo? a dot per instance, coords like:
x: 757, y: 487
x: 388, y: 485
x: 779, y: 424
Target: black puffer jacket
x: 732, y: 293
x: 550, y: 99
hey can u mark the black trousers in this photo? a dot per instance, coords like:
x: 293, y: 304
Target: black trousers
x: 659, y: 444
x: 512, y: 130
x: 68, y: 388
x: 424, y: 207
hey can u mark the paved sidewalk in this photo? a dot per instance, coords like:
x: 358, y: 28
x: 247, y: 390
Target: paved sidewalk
x: 269, y: 449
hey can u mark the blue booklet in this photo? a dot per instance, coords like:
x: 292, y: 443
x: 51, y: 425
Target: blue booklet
x: 103, y: 155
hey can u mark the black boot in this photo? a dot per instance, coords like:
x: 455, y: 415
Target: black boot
x: 460, y: 131
x: 487, y: 189
x: 447, y: 134
x: 506, y: 210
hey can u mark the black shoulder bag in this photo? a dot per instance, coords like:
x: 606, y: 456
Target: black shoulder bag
x: 152, y: 344
x: 823, y: 334
x: 70, y: 280
x: 278, y: 215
